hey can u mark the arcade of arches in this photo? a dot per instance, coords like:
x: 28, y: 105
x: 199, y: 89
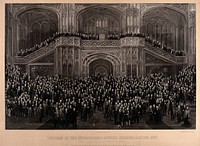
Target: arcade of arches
x: 100, y: 38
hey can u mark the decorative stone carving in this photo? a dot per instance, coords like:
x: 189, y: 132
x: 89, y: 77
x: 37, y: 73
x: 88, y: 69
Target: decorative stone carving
x: 65, y: 56
x: 132, y: 41
x: 135, y: 53
x: 95, y: 46
x: 181, y: 59
x: 79, y: 7
x: 154, y: 60
x: 46, y: 59
x: 112, y: 54
x: 128, y: 56
x: 19, y: 7
x: 76, y: 67
x: 134, y: 70
x: 70, y: 55
x: 121, y: 7
x: 192, y: 19
x: 132, y: 12
x: 68, y: 41
x: 76, y: 53
x: 99, y: 43
x: 182, y: 7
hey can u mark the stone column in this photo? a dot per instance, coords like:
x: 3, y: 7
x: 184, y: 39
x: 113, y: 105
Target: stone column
x: 17, y: 33
x: 65, y: 18
x: 58, y: 62
x: 123, y: 63
x: 8, y: 35
x: 174, y: 37
x: 77, y: 62
x: 190, y: 39
x: 156, y: 31
x: 185, y: 38
x: 161, y: 34
x: 194, y: 38
x: 176, y: 32
x: 171, y: 37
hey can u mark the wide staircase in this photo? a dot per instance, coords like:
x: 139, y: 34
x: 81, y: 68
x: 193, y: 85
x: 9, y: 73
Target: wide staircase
x: 35, y: 55
x: 77, y: 42
x: 164, y: 54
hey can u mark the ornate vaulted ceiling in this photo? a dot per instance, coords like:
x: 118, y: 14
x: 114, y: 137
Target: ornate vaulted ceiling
x: 100, y: 11
x: 164, y: 15
x: 38, y: 15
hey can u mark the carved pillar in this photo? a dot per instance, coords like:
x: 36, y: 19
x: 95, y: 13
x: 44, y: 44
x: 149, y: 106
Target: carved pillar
x: 171, y: 37
x: 68, y: 21
x: 128, y: 60
x: 73, y: 18
x: 134, y: 61
x: 65, y: 18
x: 16, y: 37
x: 58, y: 62
x: 8, y: 34
x: 131, y: 52
x: 77, y: 62
x: 156, y: 31
x: 166, y: 35
x: 123, y: 67
x: 123, y: 24
x: 194, y: 38
x: 84, y: 70
x: 70, y: 62
x: 176, y: 32
x: 174, y: 37
x: 143, y: 66
x: 185, y: 38
x: 161, y: 34
x: 65, y: 62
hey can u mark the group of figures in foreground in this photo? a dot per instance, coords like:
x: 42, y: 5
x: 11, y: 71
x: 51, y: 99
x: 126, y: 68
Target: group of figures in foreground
x: 123, y: 100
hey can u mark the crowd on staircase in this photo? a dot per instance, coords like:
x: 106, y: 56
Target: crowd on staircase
x: 85, y: 36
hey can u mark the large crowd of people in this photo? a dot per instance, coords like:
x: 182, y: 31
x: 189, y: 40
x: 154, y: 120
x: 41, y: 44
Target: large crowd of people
x: 123, y: 100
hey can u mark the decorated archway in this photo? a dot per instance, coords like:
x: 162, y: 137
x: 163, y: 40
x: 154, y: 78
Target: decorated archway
x: 105, y: 62
x: 100, y: 66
